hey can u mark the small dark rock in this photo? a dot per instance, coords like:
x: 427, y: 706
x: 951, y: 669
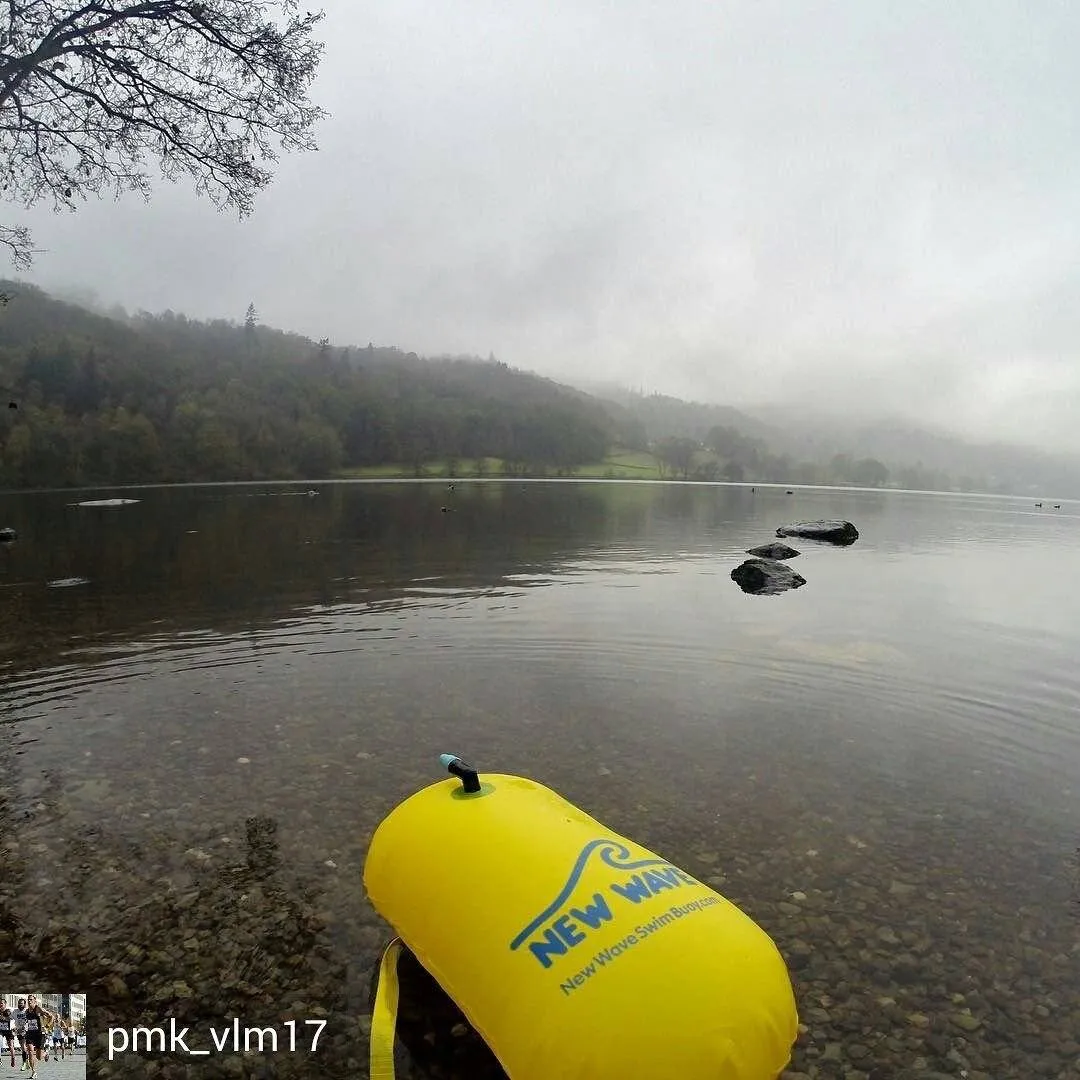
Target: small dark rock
x: 939, y: 1042
x: 881, y: 1072
x: 765, y: 577
x: 906, y: 970
x: 831, y: 532
x: 773, y: 551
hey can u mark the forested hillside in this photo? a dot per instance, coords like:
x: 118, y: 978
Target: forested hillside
x: 102, y: 397
x: 122, y: 399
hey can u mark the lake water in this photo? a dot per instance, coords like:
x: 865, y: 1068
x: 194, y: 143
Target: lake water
x: 227, y: 687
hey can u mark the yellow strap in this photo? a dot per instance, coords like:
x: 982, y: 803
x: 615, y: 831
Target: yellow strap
x: 384, y: 1015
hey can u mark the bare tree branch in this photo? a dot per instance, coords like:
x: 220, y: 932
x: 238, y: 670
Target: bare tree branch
x: 17, y: 239
x: 92, y: 93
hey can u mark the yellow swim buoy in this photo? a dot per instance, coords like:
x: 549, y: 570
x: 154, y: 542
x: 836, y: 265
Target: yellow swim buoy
x: 574, y: 952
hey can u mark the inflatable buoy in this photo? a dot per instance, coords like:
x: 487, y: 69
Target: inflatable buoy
x: 573, y: 951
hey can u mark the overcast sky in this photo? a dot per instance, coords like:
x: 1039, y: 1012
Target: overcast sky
x: 860, y: 204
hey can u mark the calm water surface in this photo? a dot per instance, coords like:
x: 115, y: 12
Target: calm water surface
x: 227, y: 687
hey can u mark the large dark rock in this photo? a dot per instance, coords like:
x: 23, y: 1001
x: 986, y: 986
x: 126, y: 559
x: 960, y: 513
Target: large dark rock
x: 766, y: 577
x: 8, y: 535
x: 773, y: 551
x: 830, y: 532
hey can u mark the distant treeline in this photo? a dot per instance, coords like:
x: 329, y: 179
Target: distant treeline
x: 165, y: 398
x: 727, y: 454
x: 98, y: 398
x: 743, y: 448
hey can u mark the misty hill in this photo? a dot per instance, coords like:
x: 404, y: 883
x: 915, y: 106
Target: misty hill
x: 104, y: 397
x: 1004, y: 467
x: 810, y: 443
x: 669, y: 417
x: 110, y: 398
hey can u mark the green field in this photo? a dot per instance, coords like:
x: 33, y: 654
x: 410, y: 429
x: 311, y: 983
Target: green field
x: 620, y: 465
x: 430, y: 470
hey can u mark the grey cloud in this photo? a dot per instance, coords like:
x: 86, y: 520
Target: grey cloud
x: 859, y: 203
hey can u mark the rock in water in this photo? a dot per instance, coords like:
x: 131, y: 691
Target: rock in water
x: 830, y: 532
x: 766, y: 577
x: 8, y: 536
x: 773, y: 551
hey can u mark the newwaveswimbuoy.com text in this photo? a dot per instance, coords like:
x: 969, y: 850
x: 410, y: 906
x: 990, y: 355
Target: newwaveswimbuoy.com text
x: 607, y: 956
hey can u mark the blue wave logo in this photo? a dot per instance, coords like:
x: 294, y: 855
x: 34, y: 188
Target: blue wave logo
x: 557, y: 929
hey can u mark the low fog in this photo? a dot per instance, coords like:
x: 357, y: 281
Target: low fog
x: 857, y: 207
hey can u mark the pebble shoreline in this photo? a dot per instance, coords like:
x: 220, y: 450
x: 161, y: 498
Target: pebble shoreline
x: 943, y: 972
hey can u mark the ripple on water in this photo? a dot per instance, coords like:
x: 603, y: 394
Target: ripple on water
x: 859, y: 765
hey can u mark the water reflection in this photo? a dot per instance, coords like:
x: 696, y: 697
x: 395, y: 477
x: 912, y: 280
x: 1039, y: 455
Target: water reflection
x: 202, y: 738
x: 223, y: 560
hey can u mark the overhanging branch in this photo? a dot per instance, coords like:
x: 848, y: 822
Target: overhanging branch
x: 206, y: 88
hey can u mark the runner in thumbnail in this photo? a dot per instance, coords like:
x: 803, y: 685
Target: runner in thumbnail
x: 36, y: 1018
x: 7, y: 1031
